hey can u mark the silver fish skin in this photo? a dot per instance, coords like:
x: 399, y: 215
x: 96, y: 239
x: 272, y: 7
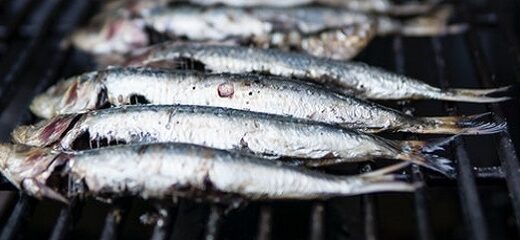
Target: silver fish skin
x: 267, y: 94
x: 314, y: 143
x: 320, y: 31
x: 351, y: 78
x: 379, y: 6
x: 167, y: 169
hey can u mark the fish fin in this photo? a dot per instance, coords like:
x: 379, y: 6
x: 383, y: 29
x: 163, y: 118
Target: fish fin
x: 44, y: 133
x: 385, y: 170
x: 474, y: 95
x: 39, y: 190
x: 461, y: 125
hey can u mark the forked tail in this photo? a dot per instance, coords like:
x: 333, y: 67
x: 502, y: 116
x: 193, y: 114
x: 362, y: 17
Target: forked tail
x: 420, y: 153
x: 462, y: 125
x: 473, y: 95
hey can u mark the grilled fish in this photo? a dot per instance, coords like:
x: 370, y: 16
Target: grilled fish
x: 268, y: 94
x: 320, y: 31
x: 163, y: 170
x: 379, y: 6
x: 352, y: 78
x: 269, y: 135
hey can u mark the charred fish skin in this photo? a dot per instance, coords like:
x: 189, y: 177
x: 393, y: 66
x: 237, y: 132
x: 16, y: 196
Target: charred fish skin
x: 162, y: 170
x: 352, y: 78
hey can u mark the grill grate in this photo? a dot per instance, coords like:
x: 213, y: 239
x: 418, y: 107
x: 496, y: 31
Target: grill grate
x: 32, y: 57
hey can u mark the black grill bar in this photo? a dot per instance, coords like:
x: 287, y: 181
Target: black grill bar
x: 19, y: 215
x: 421, y: 212
x: 214, y: 222
x: 317, y: 218
x: 264, y: 223
x: 15, y: 22
x: 470, y: 202
x: 506, y: 150
x: 21, y: 62
x: 164, y: 225
x: 64, y: 223
x: 368, y: 205
x: 115, y: 218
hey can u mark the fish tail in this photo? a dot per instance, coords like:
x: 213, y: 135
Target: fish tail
x: 432, y: 24
x: 474, y: 95
x: 461, y: 125
x: 419, y: 152
x: 411, y: 8
x: 382, y: 181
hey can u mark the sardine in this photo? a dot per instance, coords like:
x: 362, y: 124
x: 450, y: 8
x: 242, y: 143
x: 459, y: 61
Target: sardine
x: 320, y: 31
x: 312, y: 143
x: 378, y: 6
x: 267, y: 94
x: 352, y: 78
x: 164, y: 170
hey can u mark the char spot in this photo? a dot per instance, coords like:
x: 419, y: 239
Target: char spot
x: 142, y: 149
x: 138, y: 99
x: 225, y: 90
x: 193, y: 88
x: 250, y: 93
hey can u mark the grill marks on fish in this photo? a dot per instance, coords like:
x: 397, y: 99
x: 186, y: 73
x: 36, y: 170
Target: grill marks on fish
x: 167, y: 169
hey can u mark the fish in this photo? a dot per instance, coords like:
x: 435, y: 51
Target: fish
x: 162, y: 170
x: 267, y: 94
x: 314, y: 144
x: 387, y: 7
x: 317, y: 30
x: 351, y: 78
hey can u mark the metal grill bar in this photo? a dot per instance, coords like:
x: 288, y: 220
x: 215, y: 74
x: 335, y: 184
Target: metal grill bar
x: 264, y: 223
x: 20, y: 213
x: 21, y: 62
x: 421, y: 212
x: 317, y: 216
x: 164, y: 225
x: 114, y: 219
x: 63, y: 225
x: 506, y: 150
x: 214, y: 221
x: 368, y: 205
x: 15, y: 22
x: 470, y: 203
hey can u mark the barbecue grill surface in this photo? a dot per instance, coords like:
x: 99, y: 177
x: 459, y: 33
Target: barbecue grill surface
x: 482, y: 203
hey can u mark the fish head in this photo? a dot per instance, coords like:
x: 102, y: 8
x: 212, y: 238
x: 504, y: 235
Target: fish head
x: 73, y: 95
x: 44, y: 133
x: 119, y: 35
x: 29, y: 168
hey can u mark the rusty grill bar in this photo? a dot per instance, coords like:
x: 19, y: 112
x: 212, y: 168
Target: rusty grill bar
x: 32, y: 57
